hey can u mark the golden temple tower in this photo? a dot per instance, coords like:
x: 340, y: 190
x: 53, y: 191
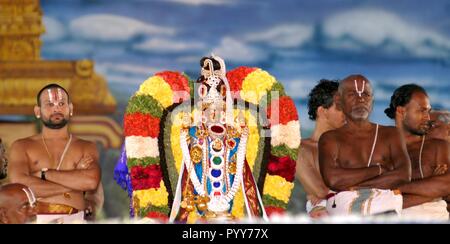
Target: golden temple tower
x: 20, y: 29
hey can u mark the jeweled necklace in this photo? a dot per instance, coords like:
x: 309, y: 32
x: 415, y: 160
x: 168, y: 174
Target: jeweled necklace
x: 200, y: 187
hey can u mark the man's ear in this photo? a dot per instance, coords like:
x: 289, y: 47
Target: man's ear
x: 37, y: 111
x: 400, y: 112
x: 337, y: 101
x: 71, y: 109
x: 3, y: 218
x: 321, y: 112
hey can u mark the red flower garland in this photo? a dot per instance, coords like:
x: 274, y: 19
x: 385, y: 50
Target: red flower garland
x: 284, y: 167
x: 236, y: 77
x: 287, y: 111
x: 138, y: 124
x: 179, y: 84
x: 157, y: 215
x: 143, y: 178
x: 270, y: 210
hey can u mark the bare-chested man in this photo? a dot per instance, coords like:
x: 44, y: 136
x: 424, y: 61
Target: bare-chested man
x: 17, y: 204
x: 3, y: 161
x: 422, y: 198
x: 56, y: 165
x: 322, y: 109
x: 440, y: 120
x: 362, y: 162
x: 441, y: 130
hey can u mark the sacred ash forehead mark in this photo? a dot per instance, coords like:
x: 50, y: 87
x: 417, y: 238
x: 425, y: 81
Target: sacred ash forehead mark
x: 55, y: 94
x: 30, y: 195
x: 360, y: 92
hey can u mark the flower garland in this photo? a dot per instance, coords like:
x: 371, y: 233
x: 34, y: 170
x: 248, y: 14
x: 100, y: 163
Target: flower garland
x: 260, y: 88
x: 142, y: 123
x: 149, y: 197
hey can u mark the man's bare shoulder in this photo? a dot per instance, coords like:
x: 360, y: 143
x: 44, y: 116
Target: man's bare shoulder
x: 308, y: 146
x: 438, y: 143
x: 24, y: 142
x: 308, y: 143
x: 83, y: 143
x: 330, y: 135
x: 388, y: 131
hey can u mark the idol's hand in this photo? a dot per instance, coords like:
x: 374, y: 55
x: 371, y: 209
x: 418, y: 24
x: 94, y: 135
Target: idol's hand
x: 440, y: 169
x: 85, y: 162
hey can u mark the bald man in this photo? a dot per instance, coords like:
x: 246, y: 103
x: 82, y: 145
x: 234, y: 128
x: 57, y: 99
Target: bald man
x: 440, y: 120
x: 362, y: 162
x: 17, y: 204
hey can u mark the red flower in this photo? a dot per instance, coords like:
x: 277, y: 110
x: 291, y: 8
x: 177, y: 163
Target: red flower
x: 236, y: 77
x: 286, y: 111
x: 284, y: 167
x: 143, y: 178
x: 159, y: 216
x: 270, y: 210
x: 179, y: 84
x: 138, y: 124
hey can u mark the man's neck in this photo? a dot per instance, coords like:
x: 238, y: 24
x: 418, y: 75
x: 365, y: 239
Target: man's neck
x: 406, y: 134
x: 62, y: 133
x: 359, y: 125
x: 411, y: 138
x: 320, y: 128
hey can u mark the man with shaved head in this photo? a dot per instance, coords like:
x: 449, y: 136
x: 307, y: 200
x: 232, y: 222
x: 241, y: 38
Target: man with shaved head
x: 56, y: 165
x: 440, y: 121
x: 17, y: 204
x: 362, y: 162
x: 440, y: 129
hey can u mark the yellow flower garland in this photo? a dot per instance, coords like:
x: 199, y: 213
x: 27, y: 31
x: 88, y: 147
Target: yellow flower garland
x: 238, y: 205
x: 253, y: 138
x: 277, y: 187
x: 192, y: 217
x: 256, y: 85
x: 175, y: 141
x: 158, y: 88
x: 155, y: 197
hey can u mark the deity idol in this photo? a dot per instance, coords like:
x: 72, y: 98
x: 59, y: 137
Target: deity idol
x: 221, y: 148
x: 214, y: 149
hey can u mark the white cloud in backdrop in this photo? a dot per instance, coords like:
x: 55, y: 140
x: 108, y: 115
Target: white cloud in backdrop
x: 283, y: 36
x: 362, y: 29
x: 114, y: 28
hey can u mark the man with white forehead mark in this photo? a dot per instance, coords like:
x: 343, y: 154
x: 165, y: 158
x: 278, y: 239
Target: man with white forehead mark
x: 17, y: 204
x: 56, y: 165
x: 362, y: 162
